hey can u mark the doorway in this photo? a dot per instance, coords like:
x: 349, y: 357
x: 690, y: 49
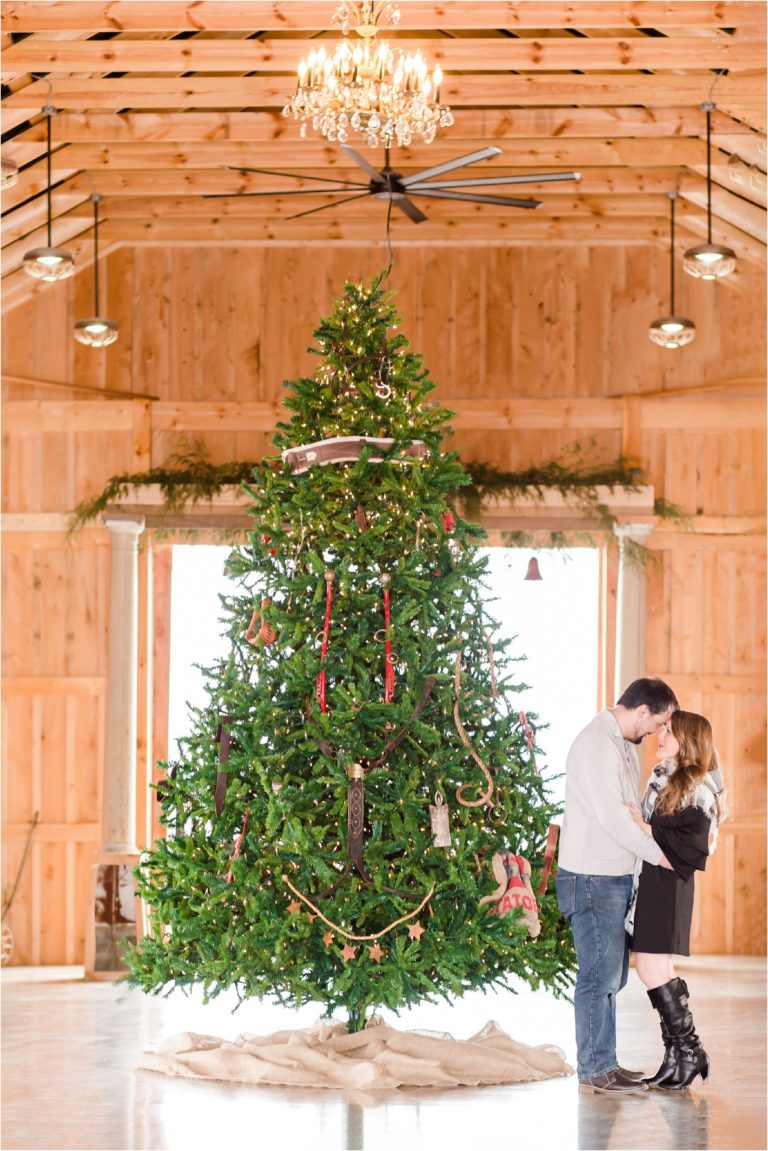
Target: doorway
x: 553, y: 623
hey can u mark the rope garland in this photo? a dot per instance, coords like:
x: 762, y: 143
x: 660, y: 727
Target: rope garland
x: 485, y: 796
x: 348, y: 934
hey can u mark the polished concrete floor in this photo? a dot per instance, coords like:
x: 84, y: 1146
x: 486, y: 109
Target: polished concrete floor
x: 70, y: 1081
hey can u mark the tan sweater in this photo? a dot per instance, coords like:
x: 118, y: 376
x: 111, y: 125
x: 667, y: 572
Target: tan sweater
x: 599, y: 836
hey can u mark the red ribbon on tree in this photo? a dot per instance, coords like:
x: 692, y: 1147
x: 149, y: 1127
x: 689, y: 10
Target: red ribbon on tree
x: 239, y: 843
x: 389, y: 667
x: 320, y: 684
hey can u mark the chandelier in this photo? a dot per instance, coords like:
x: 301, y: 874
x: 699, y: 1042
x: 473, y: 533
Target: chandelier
x: 368, y: 90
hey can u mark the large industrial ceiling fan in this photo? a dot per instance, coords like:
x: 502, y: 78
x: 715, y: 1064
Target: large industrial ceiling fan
x: 399, y: 190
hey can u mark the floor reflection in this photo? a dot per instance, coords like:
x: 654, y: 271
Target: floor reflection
x: 70, y: 1080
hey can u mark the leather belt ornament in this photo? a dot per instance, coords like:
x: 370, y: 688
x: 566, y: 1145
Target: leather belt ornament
x: 346, y: 449
x: 549, y: 855
x: 355, y: 815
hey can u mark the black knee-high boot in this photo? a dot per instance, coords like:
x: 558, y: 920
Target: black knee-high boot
x: 685, y: 1057
x: 668, y: 1061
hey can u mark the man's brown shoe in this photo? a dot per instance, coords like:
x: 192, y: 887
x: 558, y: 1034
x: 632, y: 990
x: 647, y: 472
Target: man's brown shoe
x: 613, y: 1083
x: 635, y: 1076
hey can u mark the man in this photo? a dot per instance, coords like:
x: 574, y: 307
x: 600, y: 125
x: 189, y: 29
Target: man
x: 599, y: 845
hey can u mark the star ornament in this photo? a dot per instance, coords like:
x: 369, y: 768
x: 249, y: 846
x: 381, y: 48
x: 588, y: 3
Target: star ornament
x: 348, y: 952
x: 375, y: 952
x: 294, y: 906
x: 416, y: 931
x: 328, y: 938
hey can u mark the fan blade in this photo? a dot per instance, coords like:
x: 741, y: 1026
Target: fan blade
x: 411, y: 211
x: 279, y: 192
x: 487, y: 181
x: 294, y: 175
x: 504, y: 201
x: 322, y: 208
x: 449, y: 165
x: 363, y: 163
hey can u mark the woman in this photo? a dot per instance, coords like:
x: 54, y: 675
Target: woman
x: 681, y: 809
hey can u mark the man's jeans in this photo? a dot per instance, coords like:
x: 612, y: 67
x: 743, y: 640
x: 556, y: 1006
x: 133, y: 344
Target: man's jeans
x: 596, y: 906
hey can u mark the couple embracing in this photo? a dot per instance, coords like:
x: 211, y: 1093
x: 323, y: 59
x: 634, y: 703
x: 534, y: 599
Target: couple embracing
x: 625, y: 876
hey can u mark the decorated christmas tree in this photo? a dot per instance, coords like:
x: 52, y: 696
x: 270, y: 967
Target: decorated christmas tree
x: 350, y: 819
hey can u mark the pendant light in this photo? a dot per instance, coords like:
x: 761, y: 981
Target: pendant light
x: 97, y: 332
x: 672, y: 331
x: 709, y: 261
x: 49, y: 263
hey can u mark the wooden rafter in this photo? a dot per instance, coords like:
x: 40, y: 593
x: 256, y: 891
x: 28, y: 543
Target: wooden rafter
x: 154, y: 99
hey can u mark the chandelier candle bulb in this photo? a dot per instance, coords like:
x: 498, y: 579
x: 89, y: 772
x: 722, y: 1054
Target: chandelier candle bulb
x: 382, y: 96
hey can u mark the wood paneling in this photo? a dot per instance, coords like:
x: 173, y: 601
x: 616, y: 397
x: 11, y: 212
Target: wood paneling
x: 537, y: 349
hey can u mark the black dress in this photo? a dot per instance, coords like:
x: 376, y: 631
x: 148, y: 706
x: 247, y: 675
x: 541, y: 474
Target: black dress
x: 665, y: 898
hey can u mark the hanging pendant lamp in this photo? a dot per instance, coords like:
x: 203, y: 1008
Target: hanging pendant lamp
x: 709, y: 261
x: 49, y: 263
x: 97, y: 332
x: 672, y: 331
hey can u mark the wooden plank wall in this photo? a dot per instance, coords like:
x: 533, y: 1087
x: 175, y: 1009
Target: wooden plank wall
x: 539, y: 349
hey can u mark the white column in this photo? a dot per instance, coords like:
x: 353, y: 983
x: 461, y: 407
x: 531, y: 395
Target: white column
x: 630, y: 607
x: 118, y: 831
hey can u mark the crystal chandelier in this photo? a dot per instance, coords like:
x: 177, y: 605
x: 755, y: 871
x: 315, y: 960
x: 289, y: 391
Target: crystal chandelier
x: 368, y: 90
x: 96, y: 332
x: 49, y: 263
x: 672, y: 331
x: 709, y: 261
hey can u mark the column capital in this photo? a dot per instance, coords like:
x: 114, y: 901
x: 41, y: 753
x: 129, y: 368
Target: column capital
x: 123, y: 525
x: 633, y: 531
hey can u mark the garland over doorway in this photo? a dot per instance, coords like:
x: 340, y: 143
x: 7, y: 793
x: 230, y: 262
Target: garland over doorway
x: 189, y: 479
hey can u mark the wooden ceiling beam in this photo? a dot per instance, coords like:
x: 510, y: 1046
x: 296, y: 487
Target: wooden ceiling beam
x: 726, y: 207
x: 695, y: 221
x: 749, y: 182
x: 28, y: 217
x: 200, y: 183
x: 616, y: 89
x: 278, y: 207
x: 469, y: 123
x: 65, y: 229
x: 453, y: 55
x: 18, y: 287
x: 239, y: 15
x: 515, y: 227
x: 748, y: 146
x: 312, y: 155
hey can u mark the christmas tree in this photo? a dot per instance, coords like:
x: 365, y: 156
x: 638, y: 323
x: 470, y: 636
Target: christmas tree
x: 335, y: 818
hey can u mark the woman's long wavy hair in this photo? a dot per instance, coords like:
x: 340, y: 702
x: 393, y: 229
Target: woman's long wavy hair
x: 697, y: 755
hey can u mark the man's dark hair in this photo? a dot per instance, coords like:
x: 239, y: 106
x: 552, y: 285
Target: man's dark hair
x: 655, y: 694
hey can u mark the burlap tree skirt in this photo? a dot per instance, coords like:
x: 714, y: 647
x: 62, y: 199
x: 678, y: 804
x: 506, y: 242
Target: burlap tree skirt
x: 377, y: 1058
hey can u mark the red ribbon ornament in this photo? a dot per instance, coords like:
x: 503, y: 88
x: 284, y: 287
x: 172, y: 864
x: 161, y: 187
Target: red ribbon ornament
x: 389, y: 667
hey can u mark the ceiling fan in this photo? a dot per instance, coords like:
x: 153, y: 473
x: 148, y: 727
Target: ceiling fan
x: 398, y: 190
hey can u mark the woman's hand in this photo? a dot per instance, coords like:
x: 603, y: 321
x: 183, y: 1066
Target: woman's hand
x: 638, y: 818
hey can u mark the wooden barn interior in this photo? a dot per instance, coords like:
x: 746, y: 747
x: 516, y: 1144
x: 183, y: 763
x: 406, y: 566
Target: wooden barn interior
x: 533, y: 325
